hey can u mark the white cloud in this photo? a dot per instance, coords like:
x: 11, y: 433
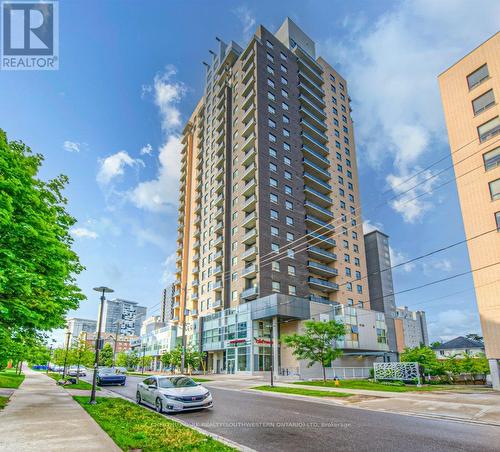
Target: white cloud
x: 168, y: 274
x: 147, y: 236
x: 398, y: 257
x: 392, y: 67
x: 247, y: 20
x: 451, y: 323
x: 72, y: 146
x: 161, y: 193
x: 368, y: 226
x: 146, y: 150
x: 441, y: 265
x: 114, y: 165
x: 83, y: 233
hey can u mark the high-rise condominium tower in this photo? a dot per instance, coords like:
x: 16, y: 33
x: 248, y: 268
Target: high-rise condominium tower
x: 269, y: 200
x: 470, y: 90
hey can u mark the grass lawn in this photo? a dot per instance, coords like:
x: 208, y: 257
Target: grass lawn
x: 139, y: 374
x: 201, y: 380
x: 80, y: 385
x: 9, y: 379
x: 373, y: 386
x: 3, y: 402
x: 302, y: 391
x: 134, y: 427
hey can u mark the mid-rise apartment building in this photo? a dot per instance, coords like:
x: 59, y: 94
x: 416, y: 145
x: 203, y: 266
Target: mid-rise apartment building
x: 123, y: 316
x: 410, y: 328
x: 470, y: 90
x: 76, y: 326
x: 270, y: 229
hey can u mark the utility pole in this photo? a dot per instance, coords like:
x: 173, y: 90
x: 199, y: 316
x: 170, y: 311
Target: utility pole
x: 118, y: 323
x: 68, y: 336
x: 272, y: 356
x: 103, y: 290
x: 183, y: 346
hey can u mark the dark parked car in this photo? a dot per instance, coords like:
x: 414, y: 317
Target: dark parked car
x: 110, y: 376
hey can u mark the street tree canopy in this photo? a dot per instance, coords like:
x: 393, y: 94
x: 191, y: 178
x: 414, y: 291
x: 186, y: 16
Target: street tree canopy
x: 37, y: 265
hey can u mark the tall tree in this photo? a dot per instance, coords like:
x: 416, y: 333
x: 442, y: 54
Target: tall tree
x: 106, y: 356
x: 317, y: 343
x: 37, y: 265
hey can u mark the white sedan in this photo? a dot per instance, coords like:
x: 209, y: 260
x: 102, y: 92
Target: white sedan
x: 173, y: 394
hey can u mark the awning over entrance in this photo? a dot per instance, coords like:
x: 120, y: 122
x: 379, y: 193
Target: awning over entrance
x: 282, y: 306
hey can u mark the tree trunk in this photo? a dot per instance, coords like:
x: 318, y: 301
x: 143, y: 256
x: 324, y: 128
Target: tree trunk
x: 324, y: 372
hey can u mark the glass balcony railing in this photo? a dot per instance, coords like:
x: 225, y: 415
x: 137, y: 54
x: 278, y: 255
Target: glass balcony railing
x: 314, y: 250
x: 315, y: 142
x: 322, y: 269
x: 324, y: 198
x: 323, y: 211
x: 322, y: 238
x: 319, y: 181
x: 251, y: 292
x: 323, y: 283
x: 317, y: 168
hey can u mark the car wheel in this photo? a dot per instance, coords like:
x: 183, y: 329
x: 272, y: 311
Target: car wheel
x: 138, y: 398
x: 159, y: 405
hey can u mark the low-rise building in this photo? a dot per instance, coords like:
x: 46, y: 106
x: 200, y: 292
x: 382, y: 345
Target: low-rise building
x: 155, y: 343
x: 151, y: 324
x: 459, y: 347
x: 122, y: 344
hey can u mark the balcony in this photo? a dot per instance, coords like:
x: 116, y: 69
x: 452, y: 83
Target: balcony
x: 249, y: 203
x: 310, y: 219
x: 176, y: 305
x: 219, y: 187
x: 250, y: 293
x: 248, y: 128
x: 195, y: 283
x: 320, y: 239
x: 322, y: 284
x: 217, y: 270
x: 314, y: 131
x: 321, y: 254
x: 219, y: 227
x: 319, y: 299
x: 249, y: 254
x: 308, y: 62
x: 249, y: 271
x: 318, y: 197
x: 249, y: 220
x: 220, y: 161
x: 319, y: 212
x: 311, y: 116
x: 218, y: 285
x: 195, y: 270
x: 249, y: 98
x: 322, y: 269
x: 250, y: 237
x: 219, y: 241
x: 249, y: 171
x: 218, y: 256
x: 219, y: 200
x: 194, y: 297
x: 194, y: 313
x: 318, y: 184
x: 249, y: 187
x: 249, y: 154
x: 248, y: 86
x: 305, y: 101
x: 219, y: 213
x: 320, y: 103
x: 196, y: 244
x: 249, y: 142
x: 248, y: 113
x: 311, y: 83
x: 316, y: 170
x: 315, y: 144
x: 197, y: 219
x: 217, y: 303
x: 196, y: 257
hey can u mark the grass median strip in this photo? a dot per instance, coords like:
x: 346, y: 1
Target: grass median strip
x: 3, y: 402
x: 133, y: 427
x: 302, y: 391
x: 9, y: 379
x: 372, y: 386
x: 80, y: 385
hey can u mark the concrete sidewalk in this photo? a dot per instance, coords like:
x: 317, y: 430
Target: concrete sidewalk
x: 43, y: 416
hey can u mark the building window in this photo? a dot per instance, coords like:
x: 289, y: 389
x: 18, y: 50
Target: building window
x: 284, y: 105
x: 289, y: 221
x: 291, y: 270
x: 286, y: 132
x: 272, y: 138
x: 290, y: 253
x: 286, y: 146
x: 276, y: 286
x: 275, y: 231
x: 347, y: 258
x: 497, y: 218
x: 275, y: 266
x: 289, y: 205
x: 489, y: 129
x: 283, y: 68
x: 273, y: 167
x: 270, y: 70
x: 274, y: 214
x: 478, y: 76
x: 358, y: 275
x: 284, y: 81
x: 348, y: 286
x: 271, y: 96
x: 356, y: 261
x: 275, y: 247
x: 273, y: 153
x: 269, y: 44
x: 495, y: 189
x: 347, y: 271
x: 274, y: 198
x: 287, y: 161
x: 284, y: 93
x: 288, y: 190
x: 270, y: 57
x: 286, y: 120
x: 292, y: 290
x: 492, y: 159
x: 483, y: 102
x: 273, y: 182
x: 289, y: 236
x: 271, y: 123
x: 359, y: 288
x: 288, y: 175
x: 271, y: 109
x: 270, y: 83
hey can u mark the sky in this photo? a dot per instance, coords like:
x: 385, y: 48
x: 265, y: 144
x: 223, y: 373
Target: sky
x: 130, y: 74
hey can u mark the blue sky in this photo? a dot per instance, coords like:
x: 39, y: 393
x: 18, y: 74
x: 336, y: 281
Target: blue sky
x: 130, y: 73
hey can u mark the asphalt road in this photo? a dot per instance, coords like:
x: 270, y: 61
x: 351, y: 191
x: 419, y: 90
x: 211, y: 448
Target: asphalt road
x: 269, y: 423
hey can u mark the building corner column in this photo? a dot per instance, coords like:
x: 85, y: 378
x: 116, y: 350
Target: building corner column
x: 495, y: 373
x: 276, y: 346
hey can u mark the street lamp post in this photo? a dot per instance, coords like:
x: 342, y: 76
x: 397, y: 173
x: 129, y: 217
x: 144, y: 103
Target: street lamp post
x: 50, y: 356
x: 68, y: 336
x: 102, y: 290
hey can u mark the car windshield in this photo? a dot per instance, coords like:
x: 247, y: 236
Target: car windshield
x: 176, y: 382
x: 107, y: 371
